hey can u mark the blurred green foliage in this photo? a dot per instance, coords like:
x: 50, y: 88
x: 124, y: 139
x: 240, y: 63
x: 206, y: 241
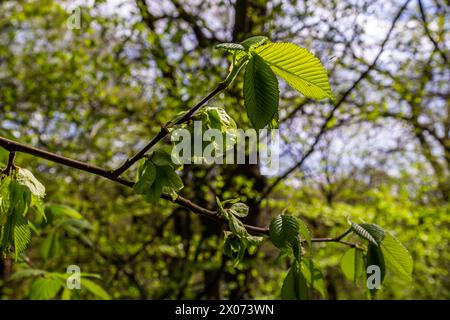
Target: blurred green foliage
x: 99, y: 93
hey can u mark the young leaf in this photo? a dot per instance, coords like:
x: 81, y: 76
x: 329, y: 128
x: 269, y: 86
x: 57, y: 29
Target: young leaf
x: 162, y: 157
x: 26, y: 273
x: 352, y: 264
x: 370, y: 232
x: 295, y: 285
x: 234, y: 247
x: 304, y: 231
x: 236, y: 226
x: 95, y: 289
x: 254, y: 42
x: 15, y: 231
x: 58, y: 210
x: 299, y: 67
x: 397, y: 257
x: 239, y: 209
x: 171, y: 179
x: 45, y: 288
x: 260, y: 92
x: 375, y: 257
x: 230, y: 46
x: 66, y: 294
x: 4, y: 154
x: 26, y: 178
x: 284, y: 231
x: 22, y: 234
x: 313, y: 276
x: 153, y: 179
x: 50, y: 246
x: 146, y: 177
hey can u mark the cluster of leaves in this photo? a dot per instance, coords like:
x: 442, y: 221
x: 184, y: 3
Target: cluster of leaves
x: 237, y: 241
x: 21, y: 195
x: 289, y: 234
x: 222, y: 137
x: 383, y: 250
x: 50, y: 285
x: 296, y: 65
x: 63, y: 222
x: 157, y: 175
x: 20, y: 191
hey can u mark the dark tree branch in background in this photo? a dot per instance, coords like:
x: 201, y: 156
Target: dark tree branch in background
x: 324, y: 128
x: 428, y: 33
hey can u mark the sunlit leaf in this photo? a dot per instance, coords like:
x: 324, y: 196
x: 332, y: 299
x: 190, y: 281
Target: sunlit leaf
x: 260, y: 92
x: 298, y: 67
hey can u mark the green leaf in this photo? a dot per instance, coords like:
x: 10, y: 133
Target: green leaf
x: 236, y: 226
x: 375, y: 257
x: 352, y: 264
x: 230, y: 46
x: 171, y: 179
x: 44, y: 288
x: 26, y: 178
x: 297, y: 249
x: 284, y: 231
x: 304, y: 231
x: 216, y: 145
x: 146, y: 177
x: 66, y: 294
x: 59, y: 210
x: 4, y: 155
x: 397, y: 257
x: 50, y: 246
x: 95, y: 289
x: 260, y: 92
x: 254, y: 42
x: 299, y: 67
x: 234, y: 247
x: 295, y: 285
x: 154, y: 179
x: 239, y: 209
x: 314, y: 277
x: 22, y: 235
x: 15, y: 231
x: 162, y: 157
x: 371, y: 232
x: 26, y: 273
x: 39, y: 207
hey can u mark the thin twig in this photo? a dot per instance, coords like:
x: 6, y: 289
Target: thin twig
x: 164, y: 130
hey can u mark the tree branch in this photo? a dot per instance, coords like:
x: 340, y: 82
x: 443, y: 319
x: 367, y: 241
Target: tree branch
x: 10, y: 166
x: 350, y: 244
x: 13, y: 146
x: 428, y: 33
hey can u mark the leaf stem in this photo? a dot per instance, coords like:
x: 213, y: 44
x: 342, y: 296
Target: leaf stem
x: 344, y: 234
x: 10, y: 167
